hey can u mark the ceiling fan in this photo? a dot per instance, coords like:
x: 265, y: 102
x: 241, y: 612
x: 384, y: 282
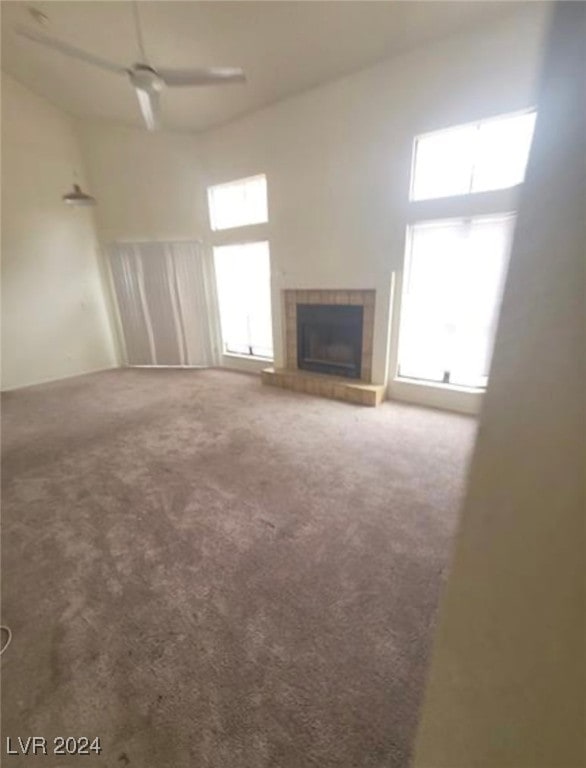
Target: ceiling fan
x: 147, y: 81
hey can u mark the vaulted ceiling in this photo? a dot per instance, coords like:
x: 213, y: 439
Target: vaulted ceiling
x: 285, y: 48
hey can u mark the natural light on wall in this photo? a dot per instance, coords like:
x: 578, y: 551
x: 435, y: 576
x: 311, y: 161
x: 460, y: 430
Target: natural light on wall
x: 238, y: 203
x: 478, y: 157
x: 244, y: 293
x: 455, y: 269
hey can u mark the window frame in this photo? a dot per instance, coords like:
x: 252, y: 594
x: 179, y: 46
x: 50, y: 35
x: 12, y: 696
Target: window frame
x: 234, y: 182
x: 464, y: 219
x: 472, y: 205
x: 224, y: 349
x: 531, y: 110
x: 242, y: 234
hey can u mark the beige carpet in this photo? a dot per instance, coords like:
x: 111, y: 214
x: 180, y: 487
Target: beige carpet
x: 208, y: 573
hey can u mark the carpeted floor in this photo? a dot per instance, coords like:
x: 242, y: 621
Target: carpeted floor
x: 208, y: 573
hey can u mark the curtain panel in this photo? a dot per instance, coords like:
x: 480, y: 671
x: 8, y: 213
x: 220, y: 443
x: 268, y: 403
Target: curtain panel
x: 165, y: 293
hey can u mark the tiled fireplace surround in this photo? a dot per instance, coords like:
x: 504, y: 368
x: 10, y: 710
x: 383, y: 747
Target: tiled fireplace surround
x: 360, y: 391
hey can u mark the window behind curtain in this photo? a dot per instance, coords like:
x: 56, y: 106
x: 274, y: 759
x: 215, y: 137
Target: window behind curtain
x: 244, y: 294
x: 454, y: 275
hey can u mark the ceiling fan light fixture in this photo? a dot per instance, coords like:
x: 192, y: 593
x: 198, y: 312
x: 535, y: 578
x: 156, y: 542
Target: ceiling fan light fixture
x: 147, y: 81
x: 77, y: 197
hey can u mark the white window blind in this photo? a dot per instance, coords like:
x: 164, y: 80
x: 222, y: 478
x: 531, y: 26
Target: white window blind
x: 238, y: 203
x: 452, y: 292
x: 244, y: 294
x: 477, y: 157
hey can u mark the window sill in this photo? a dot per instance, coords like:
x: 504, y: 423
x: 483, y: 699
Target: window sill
x: 439, y: 385
x: 437, y: 395
x: 268, y: 360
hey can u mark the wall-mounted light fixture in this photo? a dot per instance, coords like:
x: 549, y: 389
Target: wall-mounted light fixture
x: 78, y: 197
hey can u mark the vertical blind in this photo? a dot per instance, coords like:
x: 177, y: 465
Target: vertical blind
x: 164, y: 294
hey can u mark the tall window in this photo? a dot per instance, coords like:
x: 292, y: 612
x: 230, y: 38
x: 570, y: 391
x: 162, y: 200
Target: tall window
x: 455, y: 269
x: 243, y: 279
x: 454, y: 274
x: 243, y: 272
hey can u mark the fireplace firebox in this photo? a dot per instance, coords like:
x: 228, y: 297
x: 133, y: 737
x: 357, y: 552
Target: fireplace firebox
x: 329, y: 339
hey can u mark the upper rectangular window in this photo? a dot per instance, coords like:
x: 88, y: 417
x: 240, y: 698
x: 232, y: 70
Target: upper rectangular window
x: 238, y: 203
x: 478, y: 157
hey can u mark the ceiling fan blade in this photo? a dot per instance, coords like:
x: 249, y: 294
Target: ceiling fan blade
x: 202, y: 76
x: 68, y: 50
x: 150, y: 108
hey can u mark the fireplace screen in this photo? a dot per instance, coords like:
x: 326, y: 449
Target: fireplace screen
x: 329, y: 339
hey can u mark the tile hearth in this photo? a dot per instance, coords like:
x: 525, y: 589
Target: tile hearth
x: 334, y: 387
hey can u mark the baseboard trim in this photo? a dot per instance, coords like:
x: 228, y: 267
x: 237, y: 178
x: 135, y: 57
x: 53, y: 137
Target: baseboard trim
x: 60, y: 378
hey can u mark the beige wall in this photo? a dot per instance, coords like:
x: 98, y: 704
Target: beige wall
x: 148, y: 183
x: 149, y: 186
x: 507, y: 680
x: 54, y: 318
x: 338, y: 158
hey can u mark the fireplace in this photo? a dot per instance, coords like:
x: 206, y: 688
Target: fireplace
x: 329, y: 339
x: 328, y: 332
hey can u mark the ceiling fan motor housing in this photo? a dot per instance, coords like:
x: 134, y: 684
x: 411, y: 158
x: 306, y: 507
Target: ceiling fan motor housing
x: 145, y: 78
x: 147, y: 82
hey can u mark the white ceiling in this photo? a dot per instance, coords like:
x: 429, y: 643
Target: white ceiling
x: 285, y: 48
